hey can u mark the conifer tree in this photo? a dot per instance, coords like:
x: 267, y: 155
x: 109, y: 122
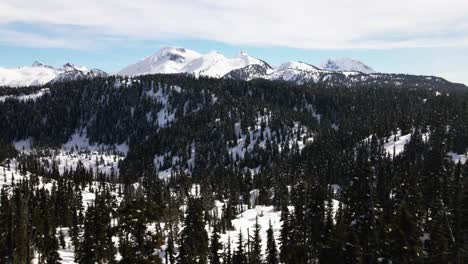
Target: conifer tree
x: 194, y: 239
x: 215, y: 246
x: 285, y: 238
x: 271, y: 251
x: 256, y: 249
x: 170, y: 258
x: 239, y: 255
x: 405, y: 236
x: 86, y: 252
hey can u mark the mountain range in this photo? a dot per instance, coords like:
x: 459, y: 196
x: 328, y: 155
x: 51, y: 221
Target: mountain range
x: 174, y: 60
x: 40, y: 74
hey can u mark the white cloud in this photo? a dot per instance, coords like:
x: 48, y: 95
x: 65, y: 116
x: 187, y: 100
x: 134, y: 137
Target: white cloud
x: 10, y: 37
x: 309, y: 24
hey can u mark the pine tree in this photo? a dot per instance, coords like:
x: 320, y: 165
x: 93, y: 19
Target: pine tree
x: 136, y: 243
x: 256, y: 249
x: 464, y: 214
x: 50, y: 244
x: 5, y: 228
x: 62, y: 239
x: 406, y: 245
x: 194, y: 239
x: 239, y: 255
x: 439, y: 243
x: 272, y: 251
x: 86, y: 252
x: 353, y: 249
x: 21, y: 251
x: 285, y: 238
x: 227, y: 255
x: 170, y: 258
x: 215, y: 246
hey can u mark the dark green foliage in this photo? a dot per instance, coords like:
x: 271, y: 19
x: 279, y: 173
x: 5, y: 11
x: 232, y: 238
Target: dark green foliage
x: 405, y: 207
x: 194, y: 239
x: 239, y: 256
x: 215, y: 246
x: 272, y: 251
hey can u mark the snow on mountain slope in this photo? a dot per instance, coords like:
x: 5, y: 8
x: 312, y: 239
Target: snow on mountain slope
x: 214, y: 64
x: 26, y: 97
x: 297, y: 72
x: 72, y: 72
x: 250, y: 72
x: 78, y: 151
x: 346, y: 65
x: 181, y: 60
x: 40, y: 74
x: 37, y: 74
x: 166, y: 60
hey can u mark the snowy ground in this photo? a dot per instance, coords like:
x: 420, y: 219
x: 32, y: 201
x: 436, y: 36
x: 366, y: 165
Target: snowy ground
x: 78, y: 149
x: 395, y: 144
x: 165, y: 116
x: 26, y: 97
x: 245, y: 222
x: 458, y: 157
x: 10, y: 174
x: 256, y: 132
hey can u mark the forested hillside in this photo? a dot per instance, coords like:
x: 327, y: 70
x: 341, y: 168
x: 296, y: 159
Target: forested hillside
x: 178, y: 169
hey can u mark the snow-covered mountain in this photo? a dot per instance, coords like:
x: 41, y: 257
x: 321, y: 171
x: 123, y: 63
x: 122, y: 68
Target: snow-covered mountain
x: 303, y: 73
x: 340, y: 72
x: 346, y: 65
x: 297, y: 72
x: 181, y: 60
x: 166, y: 60
x: 343, y: 72
x: 40, y: 74
x: 72, y: 72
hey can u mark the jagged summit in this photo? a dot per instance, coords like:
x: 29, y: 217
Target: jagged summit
x: 181, y: 60
x: 39, y: 74
x: 346, y: 65
x: 37, y: 64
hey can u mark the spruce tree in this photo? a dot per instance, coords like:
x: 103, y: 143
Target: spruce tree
x: 256, y: 249
x: 406, y: 245
x: 239, y: 255
x: 194, y: 239
x: 271, y: 251
x: 86, y: 252
x: 215, y: 246
x: 285, y: 238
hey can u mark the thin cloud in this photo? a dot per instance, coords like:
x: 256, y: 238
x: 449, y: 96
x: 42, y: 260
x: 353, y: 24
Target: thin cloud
x: 34, y: 40
x: 319, y: 24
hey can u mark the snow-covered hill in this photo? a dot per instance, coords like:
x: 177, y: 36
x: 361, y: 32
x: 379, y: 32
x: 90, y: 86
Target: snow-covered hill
x: 297, y: 72
x: 181, y: 60
x: 343, y: 73
x: 346, y: 65
x: 40, y: 74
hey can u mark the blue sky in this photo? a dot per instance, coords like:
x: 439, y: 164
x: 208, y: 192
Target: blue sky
x: 408, y: 36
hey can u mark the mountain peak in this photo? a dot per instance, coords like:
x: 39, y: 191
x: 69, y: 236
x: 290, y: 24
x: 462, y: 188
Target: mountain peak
x: 68, y: 65
x: 346, y: 65
x: 176, y: 54
x: 37, y: 64
x: 182, y: 60
x: 298, y: 65
x: 242, y: 54
x: 39, y: 74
